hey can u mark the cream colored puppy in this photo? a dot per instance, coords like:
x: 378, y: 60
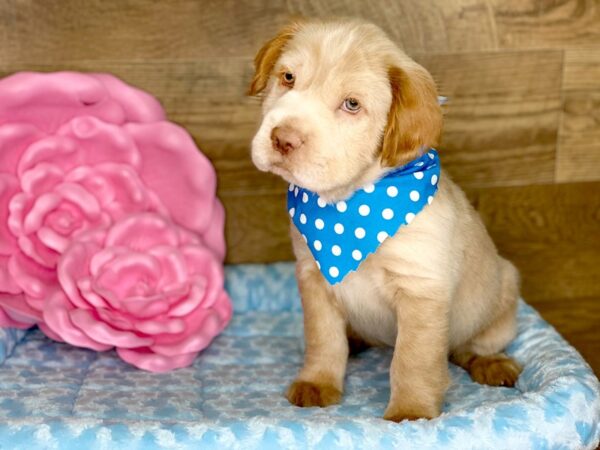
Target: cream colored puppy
x: 343, y: 106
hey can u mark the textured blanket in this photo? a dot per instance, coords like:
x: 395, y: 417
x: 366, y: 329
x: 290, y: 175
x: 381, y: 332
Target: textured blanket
x: 58, y: 396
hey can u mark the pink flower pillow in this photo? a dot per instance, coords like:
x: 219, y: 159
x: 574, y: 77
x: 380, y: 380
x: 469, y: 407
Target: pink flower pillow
x: 111, y: 234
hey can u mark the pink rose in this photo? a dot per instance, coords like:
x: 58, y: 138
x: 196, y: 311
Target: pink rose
x: 82, y: 151
x: 143, y: 285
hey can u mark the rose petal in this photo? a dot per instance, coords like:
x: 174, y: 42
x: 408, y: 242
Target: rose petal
x: 104, y: 256
x: 100, y: 142
x: 173, y: 265
x: 83, y: 141
x: 116, y: 186
x: 7, y: 282
x: 42, y: 178
x: 84, y: 286
x: 48, y: 332
x: 35, y: 280
x: 50, y: 99
x: 57, y: 318
x: 152, y: 362
x: 141, y: 232
x: 167, y: 149
x: 7, y: 322
x: 160, y: 326
x: 35, y: 302
x: 116, y: 319
x: 154, y: 305
x: 42, y: 205
x: 59, y: 151
x: 129, y: 274
x: 14, y: 140
x: 38, y: 252
x: 9, y: 186
x: 104, y: 333
x: 18, y: 310
x: 77, y: 195
x: 191, y: 301
x: 52, y: 239
x: 137, y: 104
x: 73, y: 265
x: 213, y: 236
x: 208, y: 325
x: 202, y: 263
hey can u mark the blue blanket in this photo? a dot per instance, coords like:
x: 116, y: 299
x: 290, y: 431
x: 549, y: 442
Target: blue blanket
x: 56, y: 396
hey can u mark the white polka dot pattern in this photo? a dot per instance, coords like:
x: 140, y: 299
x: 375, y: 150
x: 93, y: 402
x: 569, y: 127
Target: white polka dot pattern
x: 341, y: 235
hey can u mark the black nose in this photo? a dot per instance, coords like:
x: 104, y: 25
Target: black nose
x: 285, y: 139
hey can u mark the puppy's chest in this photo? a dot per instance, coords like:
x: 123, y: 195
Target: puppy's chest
x: 366, y: 303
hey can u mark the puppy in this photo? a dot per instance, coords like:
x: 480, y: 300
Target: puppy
x: 349, y: 115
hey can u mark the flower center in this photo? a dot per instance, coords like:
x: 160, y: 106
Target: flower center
x: 63, y: 220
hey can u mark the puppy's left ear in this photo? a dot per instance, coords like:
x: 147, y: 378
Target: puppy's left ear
x: 415, y: 117
x: 267, y: 56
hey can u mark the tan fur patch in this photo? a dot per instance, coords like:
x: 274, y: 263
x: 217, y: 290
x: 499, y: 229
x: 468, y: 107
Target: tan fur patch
x: 307, y: 393
x: 415, y: 118
x: 493, y: 370
x: 267, y: 56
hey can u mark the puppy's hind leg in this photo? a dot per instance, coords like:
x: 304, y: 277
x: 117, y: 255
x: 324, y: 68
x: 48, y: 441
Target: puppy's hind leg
x: 483, y: 355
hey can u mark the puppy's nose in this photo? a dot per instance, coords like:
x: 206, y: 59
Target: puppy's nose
x: 285, y: 139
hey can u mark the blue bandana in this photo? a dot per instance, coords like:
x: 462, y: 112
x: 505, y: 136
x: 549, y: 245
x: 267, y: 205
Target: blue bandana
x: 341, y: 236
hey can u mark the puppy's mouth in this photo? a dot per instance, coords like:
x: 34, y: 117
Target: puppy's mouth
x: 278, y: 168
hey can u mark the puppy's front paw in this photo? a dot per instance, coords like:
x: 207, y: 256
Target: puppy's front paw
x: 306, y: 393
x: 412, y: 412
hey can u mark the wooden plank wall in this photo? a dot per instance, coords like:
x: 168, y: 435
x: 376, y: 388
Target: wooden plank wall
x: 522, y: 131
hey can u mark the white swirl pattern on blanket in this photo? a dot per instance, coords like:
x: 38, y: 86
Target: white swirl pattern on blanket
x: 57, y: 396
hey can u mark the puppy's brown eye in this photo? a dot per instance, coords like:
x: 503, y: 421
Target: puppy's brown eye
x: 351, y: 105
x: 288, y: 79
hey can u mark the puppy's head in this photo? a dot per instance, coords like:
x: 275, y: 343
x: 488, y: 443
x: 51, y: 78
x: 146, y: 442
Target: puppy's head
x: 341, y: 103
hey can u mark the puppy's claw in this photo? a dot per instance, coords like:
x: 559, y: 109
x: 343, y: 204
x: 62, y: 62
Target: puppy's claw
x: 306, y: 393
x: 399, y: 414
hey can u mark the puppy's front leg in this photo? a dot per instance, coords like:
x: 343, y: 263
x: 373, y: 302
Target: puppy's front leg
x: 320, y: 382
x: 419, y: 371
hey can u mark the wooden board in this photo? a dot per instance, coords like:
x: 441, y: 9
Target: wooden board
x: 578, y: 157
x: 551, y: 233
x: 52, y: 31
x: 547, y: 23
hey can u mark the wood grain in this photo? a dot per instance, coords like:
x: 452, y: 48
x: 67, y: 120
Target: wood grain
x: 523, y: 24
x: 578, y: 157
x: 502, y: 118
x: 257, y: 228
x: 47, y: 31
x: 551, y: 233
x: 582, y: 69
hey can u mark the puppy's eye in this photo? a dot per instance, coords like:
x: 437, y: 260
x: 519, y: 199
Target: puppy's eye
x: 288, y: 79
x: 351, y: 105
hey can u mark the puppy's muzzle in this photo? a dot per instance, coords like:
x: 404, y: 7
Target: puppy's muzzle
x: 286, y: 139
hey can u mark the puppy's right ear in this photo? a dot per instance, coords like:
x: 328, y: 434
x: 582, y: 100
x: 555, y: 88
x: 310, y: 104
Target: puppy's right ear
x: 267, y: 56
